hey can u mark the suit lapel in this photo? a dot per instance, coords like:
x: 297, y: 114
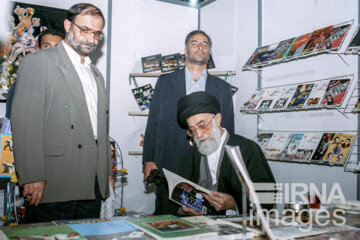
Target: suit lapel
x: 179, y: 84
x: 101, y: 99
x: 211, y: 86
x: 73, y: 81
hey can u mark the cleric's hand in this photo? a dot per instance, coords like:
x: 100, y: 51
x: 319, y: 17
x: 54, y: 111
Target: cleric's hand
x: 220, y: 201
x: 188, y: 211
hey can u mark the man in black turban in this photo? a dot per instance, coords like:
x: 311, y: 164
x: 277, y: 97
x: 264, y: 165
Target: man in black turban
x: 208, y: 164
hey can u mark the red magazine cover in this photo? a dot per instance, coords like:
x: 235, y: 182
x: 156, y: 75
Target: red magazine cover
x: 299, y: 45
x: 337, y: 35
x: 335, y: 92
x: 316, y: 40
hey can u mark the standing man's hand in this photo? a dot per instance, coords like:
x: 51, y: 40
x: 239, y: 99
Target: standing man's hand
x: 33, y: 192
x: 148, y: 167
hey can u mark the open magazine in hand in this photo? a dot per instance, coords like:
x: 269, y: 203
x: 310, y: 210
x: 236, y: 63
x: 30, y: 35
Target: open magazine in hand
x: 187, y: 193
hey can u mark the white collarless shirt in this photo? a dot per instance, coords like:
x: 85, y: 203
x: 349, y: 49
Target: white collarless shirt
x: 88, y: 82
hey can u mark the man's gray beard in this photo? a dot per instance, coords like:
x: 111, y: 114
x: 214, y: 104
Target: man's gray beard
x: 213, y: 142
x: 202, y: 61
x: 78, y: 48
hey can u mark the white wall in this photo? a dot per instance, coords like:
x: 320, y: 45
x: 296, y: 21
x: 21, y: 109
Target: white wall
x: 140, y: 28
x: 282, y: 20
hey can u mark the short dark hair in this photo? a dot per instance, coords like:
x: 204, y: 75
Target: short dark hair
x: 51, y: 31
x: 192, y: 33
x: 83, y: 9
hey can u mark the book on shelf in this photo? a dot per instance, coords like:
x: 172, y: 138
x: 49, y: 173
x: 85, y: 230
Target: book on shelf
x: 171, y: 227
x: 283, y: 101
x: 301, y: 95
x: 339, y: 148
x: 151, y: 63
x: 274, y: 95
x: 323, y: 146
x: 277, y: 144
x: 337, y: 35
x: 182, y: 60
x: 223, y: 230
x: 42, y: 232
x: 283, y: 49
x: 143, y: 96
x: 254, y: 59
x: 187, y: 193
x: 268, y: 98
x: 307, y: 146
x: 298, y: 45
x: 268, y: 56
x: 262, y: 139
x: 170, y: 62
x: 289, y: 152
x: 316, y: 41
x: 335, y: 92
x: 108, y: 230
x: 317, y: 93
x: 254, y: 100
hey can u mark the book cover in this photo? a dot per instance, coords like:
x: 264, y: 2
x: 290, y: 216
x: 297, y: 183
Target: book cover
x: 143, y: 96
x: 7, y: 168
x: 276, y: 145
x: 254, y: 100
x: 337, y: 35
x: 262, y: 139
x: 300, y: 96
x: 44, y: 232
x: 187, y: 193
x: 170, y: 227
x: 269, y: 97
x: 170, y: 62
x: 317, y: 93
x: 151, y: 63
x: 268, y: 55
x: 283, y: 101
x: 298, y: 45
x: 316, y: 41
x: 108, y: 230
x: 323, y: 146
x: 307, y: 146
x: 274, y: 95
x: 254, y: 60
x: 80, y: 221
x: 335, y: 92
x: 291, y: 148
x: 282, y: 49
x: 339, y: 148
x: 355, y: 42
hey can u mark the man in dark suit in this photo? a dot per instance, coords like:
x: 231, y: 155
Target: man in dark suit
x: 208, y: 164
x: 165, y: 143
x: 60, y: 124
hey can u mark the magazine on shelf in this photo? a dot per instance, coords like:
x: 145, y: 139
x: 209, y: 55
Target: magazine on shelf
x: 170, y: 62
x: 277, y: 144
x: 307, y: 146
x: 269, y: 97
x: 335, y: 92
x: 171, y: 227
x: 274, y: 95
x: 254, y: 100
x: 317, y: 93
x: 323, y: 146
x: 354, y: 45
x: 143, y: 96
x: 337, y: 35
x: 42, y: 232
x: 268, y: 55
x: 211, y: 63
x: 187, y: 193
x: 284, y: 99
x: 7, y: 168
x: 223, y: 230
x: 298, y: 45
x: 151, y: 63
x: 262, y: 139
x: 233, y: 90
x: 300, y: 96
x: 109, y: 230
x: 254, y: 60
x: 182, y: 60
x: 282, y: 49
x: 339, y: 148
x: 290, y: 150
x: 316, y: 41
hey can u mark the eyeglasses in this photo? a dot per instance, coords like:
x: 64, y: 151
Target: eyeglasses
x: 85, y: 31
x: 202, y: 128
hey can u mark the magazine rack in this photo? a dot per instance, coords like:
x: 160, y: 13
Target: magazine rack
x: 353, y: 104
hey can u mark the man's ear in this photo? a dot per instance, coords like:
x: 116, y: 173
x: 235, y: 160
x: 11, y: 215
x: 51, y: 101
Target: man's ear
x: 67, y: 25
x: 218, y: 119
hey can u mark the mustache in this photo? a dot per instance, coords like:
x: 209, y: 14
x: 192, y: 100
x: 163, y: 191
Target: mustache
x: 88, y: 44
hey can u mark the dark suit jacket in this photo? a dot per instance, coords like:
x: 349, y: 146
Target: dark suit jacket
x: 228, y: 181
x: 166, y: 142
x: 52, y: 132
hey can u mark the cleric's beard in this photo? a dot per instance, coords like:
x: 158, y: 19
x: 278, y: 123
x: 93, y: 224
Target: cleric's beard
x: 212, y: 143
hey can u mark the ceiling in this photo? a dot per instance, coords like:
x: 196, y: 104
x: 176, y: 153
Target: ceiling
x: 190, y: 3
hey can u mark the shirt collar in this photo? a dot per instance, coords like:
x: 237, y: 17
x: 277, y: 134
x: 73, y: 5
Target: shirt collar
x: 75, y: 57
x: 188, y: 75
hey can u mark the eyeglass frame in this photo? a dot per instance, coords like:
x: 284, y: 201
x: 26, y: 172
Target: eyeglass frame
x: 205, y: 127
x: 85, y: 31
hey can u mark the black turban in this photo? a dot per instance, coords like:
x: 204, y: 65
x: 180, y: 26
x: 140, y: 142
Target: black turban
x: 195, y: 103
